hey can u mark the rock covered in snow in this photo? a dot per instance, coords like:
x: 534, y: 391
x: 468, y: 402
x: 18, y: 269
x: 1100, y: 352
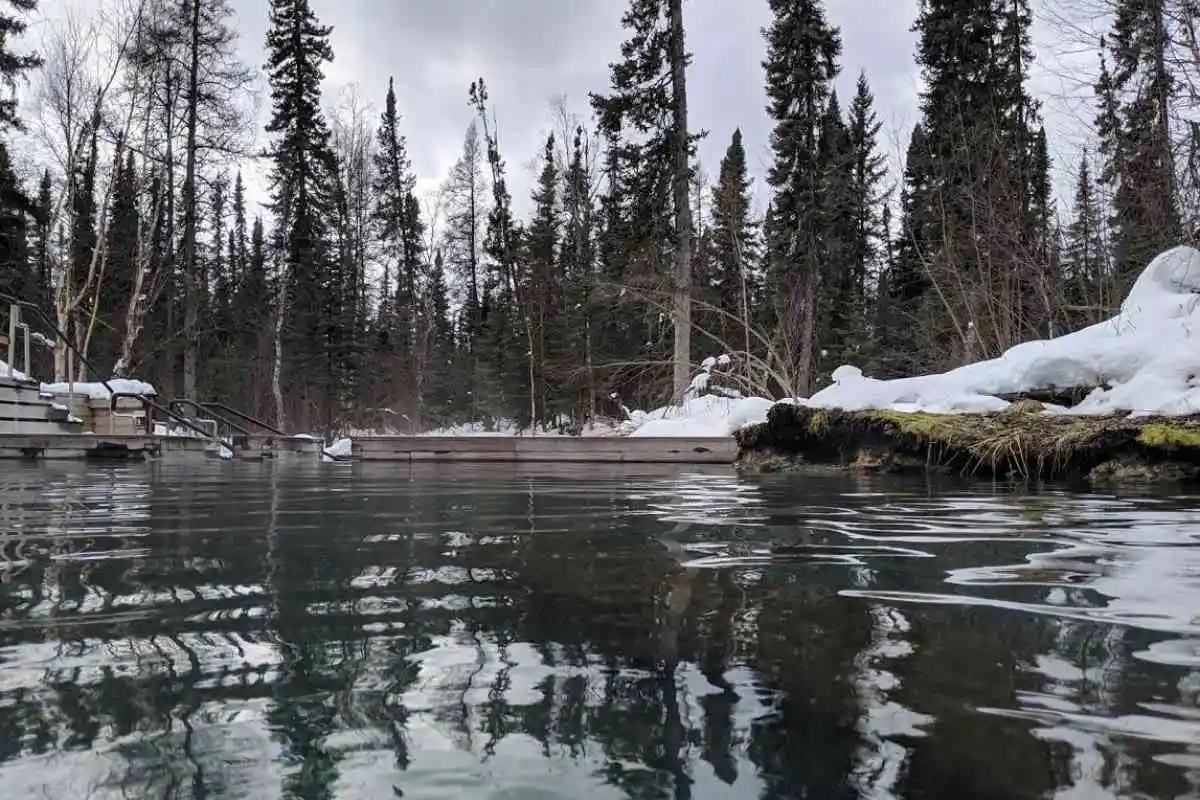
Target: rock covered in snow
x: 1147, y: 356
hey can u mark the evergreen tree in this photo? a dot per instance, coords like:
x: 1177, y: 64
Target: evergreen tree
x: 649, y: 99
x: 984, y: 178
x: 238, y: 238
x: 303, y: 203
x: 18, y: 276
x: 840, y: 326
x: 506, y: 314
x: 40, y: 249
x: 115, y: 286
x: 869, y: 203
x: 1135, y: 131
x: 734, y: 250
x: 801, y: 64
x: 578, y: 271
x: 463, y: 236
x: 401, y: 230
x: 1087, y: 283
x: 540, y: 274
x: 14, y: 65
x: 903, y: 293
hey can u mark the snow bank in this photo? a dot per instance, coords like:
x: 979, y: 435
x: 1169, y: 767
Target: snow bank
x: 97, y: 391
x: 1147, y: 355
x: 709, y: 415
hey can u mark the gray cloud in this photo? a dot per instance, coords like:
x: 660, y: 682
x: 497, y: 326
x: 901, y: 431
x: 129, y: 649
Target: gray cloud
x: 531, y: 51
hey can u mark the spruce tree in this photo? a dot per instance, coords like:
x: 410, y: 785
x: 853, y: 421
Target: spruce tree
x: 734, y: 250
x: 649, y: 100
x: 577, y: 259
x: 1088, y: 289
x: 801, y: 64
x: 18, y: 276
x: 903, y: 295
x: 463, y: 232
x: 12, y: 64
x: 115, y: 287
x: 302, y: 186
x: 1135, y: 99
x: 403, y: 246
x: 840, y: 327
x: 868, y: 170
x: 984, y: 177
x: 544, y: 289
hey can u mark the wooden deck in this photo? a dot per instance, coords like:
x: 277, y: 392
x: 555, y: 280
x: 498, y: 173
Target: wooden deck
x: 78, y: 446
x: 565, y: 449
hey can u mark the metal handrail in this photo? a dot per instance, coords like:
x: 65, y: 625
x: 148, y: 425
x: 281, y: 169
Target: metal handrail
x: 264, y: 425
x: 203, y: 407
x: 245, y: 417
x: 44, y: 317
x: 62, y: 337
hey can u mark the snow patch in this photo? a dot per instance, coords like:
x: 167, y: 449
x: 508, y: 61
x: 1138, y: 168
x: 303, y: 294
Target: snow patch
x: 341, y: 448
x: 97, y: 391
x: 709, y: 415
x: 1146, y: 355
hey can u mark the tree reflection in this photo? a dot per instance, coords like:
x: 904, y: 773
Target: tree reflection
x: 257, y: 630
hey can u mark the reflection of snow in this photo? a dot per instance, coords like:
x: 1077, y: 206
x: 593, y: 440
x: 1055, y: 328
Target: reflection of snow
x: 879, y: 761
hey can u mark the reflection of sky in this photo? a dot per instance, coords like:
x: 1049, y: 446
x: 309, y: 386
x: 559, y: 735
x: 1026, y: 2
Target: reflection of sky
x: 1091, y: 561
x: 461, y: 674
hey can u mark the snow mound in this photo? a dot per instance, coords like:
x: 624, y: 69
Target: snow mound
x: 708, y: 415
x: 1146, y: 355
x: 97, y: 391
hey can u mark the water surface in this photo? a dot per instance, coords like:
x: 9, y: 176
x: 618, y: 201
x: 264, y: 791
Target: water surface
x: 230, y: 630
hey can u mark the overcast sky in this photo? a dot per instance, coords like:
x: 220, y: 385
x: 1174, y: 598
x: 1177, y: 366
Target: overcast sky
x: 532, y: 51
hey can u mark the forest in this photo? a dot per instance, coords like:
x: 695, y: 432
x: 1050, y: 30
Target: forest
x: 352, y: 303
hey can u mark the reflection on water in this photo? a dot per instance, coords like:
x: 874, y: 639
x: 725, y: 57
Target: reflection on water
x: 320, y: 631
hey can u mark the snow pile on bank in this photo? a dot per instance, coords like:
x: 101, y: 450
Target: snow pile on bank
x: 708, y: 415
x: 97, y: 391
x: 1148, y: 355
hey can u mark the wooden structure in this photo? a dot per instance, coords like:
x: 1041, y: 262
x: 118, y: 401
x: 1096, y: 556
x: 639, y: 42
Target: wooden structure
x: 25, y: 410
x: 566, y: 449
x: 78, y: 446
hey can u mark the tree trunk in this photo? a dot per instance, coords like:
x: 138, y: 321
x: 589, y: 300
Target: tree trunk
x: 683, y: 209
x: 191, y: 296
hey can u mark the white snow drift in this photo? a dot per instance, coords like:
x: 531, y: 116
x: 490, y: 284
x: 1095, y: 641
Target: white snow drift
x: 1147, y: 355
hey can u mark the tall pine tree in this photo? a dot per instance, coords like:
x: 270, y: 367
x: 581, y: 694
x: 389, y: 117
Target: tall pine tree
x: 733, y: 252
x: 649, y: 101
x: 302, y: 185
x: 1135, y: 132
x: 801, y: 64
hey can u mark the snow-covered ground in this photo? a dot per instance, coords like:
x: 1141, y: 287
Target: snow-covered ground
x: 1147, y: 355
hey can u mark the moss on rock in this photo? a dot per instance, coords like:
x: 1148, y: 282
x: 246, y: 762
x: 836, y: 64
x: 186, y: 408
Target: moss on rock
x: 1018, y: 442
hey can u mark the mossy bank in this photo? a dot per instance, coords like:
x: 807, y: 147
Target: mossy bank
x: 1018, y: 443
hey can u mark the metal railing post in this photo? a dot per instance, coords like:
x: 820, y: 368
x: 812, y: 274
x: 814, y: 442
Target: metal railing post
x: 14, y: 315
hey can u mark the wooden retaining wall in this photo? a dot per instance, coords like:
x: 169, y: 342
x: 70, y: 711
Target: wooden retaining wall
x: 607, y: 449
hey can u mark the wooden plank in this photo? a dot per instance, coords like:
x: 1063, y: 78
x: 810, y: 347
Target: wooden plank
x: 74, y: 446
x: 24, y: 411
x: 563, y: 449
